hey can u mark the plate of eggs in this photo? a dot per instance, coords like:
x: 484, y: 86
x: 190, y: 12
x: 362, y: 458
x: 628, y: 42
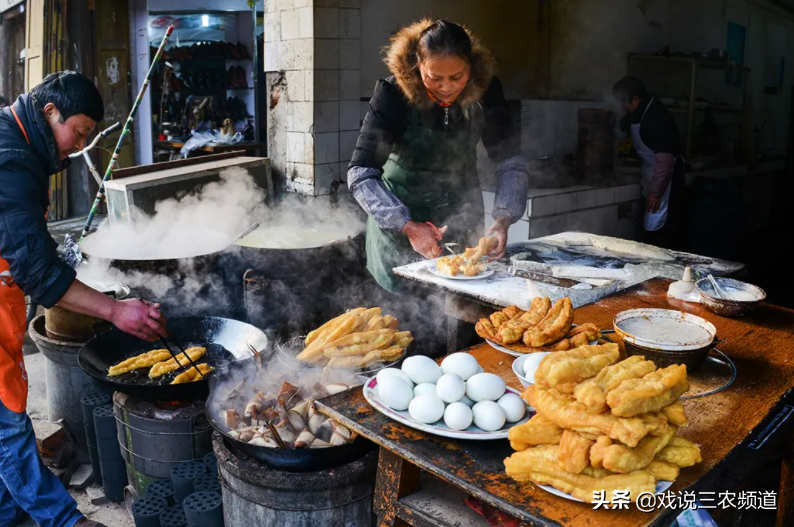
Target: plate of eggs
x: 455, y: 399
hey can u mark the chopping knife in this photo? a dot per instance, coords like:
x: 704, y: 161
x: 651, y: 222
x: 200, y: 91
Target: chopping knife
x: 540, y: 277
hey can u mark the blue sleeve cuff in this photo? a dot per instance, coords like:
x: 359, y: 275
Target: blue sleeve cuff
x: 58, y: 288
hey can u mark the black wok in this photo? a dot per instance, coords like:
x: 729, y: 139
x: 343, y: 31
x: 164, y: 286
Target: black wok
x: 226, y: 341
x: 299, y: 459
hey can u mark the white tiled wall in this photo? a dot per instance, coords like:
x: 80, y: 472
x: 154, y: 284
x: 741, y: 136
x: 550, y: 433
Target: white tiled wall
x: 550, y: 128
x: 585, y: 209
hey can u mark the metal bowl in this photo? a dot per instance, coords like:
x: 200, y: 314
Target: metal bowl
x: 729, y: 308
x: 664, y: 358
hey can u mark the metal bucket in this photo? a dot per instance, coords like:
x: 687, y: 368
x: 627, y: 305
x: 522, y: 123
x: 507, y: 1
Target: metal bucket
x: 66, y: 383
x: 254, y: 494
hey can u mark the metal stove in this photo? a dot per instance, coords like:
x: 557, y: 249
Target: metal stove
x: 155, y: 436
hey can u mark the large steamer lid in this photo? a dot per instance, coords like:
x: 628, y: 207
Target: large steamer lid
x: 293, y: 237
x: 664, y: 329
x: 180, y: 245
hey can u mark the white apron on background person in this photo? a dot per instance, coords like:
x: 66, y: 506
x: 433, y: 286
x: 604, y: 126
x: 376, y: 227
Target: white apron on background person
x: 652, y: 221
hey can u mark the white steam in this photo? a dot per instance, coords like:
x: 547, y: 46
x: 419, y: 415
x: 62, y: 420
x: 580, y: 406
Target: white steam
x: 198, y: 223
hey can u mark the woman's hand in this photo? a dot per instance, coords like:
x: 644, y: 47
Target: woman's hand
x: 499, y: 229
x: 423, y: 238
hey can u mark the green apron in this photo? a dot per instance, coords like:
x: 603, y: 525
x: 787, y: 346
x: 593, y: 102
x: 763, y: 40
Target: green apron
x: 434, y: 174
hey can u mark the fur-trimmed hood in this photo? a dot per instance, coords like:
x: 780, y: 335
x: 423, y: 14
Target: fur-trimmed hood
x: 401, y: 59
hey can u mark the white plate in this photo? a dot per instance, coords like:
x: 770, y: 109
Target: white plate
x: 439, y: 428
x: 661, y: 486
x: 434, y: 270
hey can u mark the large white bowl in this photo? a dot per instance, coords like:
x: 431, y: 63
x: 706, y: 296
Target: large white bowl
x: 518, y: 367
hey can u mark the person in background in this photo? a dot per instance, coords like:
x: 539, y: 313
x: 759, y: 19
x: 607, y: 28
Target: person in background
x: 655, y: 137
x: 415, y: 162
x: 37, y: 134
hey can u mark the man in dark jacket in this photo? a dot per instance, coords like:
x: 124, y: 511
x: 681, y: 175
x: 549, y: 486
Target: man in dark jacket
x: 655, y: 136
x: 37, y: 134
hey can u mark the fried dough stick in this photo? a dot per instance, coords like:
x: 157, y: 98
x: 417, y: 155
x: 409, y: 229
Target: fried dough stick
x: 593, y: 392
x: 622, y: 459
x: 161, y: 368
x: 537, y: 431
x: 313, y: 335
x: 680, y: 452
x: 554, y: 326
x: 675, y: 414
x: 574, y: 453
x: 514, y: 329
x: 381, y: 341
x: 651, y: 393
x: 540, y: 465
x: 566, y: 412
x: 144, y: 360
x: 565, y: 369
x: 346, y: 325
x: 663, y: 471
x: 192, y: 375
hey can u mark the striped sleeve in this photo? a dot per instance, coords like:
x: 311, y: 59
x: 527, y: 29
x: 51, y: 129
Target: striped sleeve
x: 512, y: 184
x: 378, y: 202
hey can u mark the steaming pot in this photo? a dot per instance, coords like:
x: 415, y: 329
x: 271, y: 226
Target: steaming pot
x: 289, y: 290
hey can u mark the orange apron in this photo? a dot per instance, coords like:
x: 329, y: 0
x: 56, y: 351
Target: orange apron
x: 13, y: 315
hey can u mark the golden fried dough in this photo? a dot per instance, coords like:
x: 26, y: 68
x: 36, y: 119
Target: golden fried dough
x: 191, y: 375
x: 313, y: 335
x: 537, y: 311
x: 485, y: 329
x: 593, y: 392
x: 539, y: 465
x: 680, y: 452
x: 622, y: 459
x: 566, y: 412
x: 554, y: 326
x: 663, y: 471
x: 574, y: 453
x: 651, y: 393
x: 565, y: 369
x: 675, y: 414
x: 161, y: 368
x: 144, y: 360
x: 381, y: 341
x: 513, y: 330
x: 597, y: 451
x: 537, y: 431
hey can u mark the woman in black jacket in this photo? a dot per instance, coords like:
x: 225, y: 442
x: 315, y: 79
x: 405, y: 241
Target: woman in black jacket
x: 415, y: 160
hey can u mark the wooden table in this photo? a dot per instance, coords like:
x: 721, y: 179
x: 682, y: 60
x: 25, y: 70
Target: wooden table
x: 736, y: 428
x: 466, y: 301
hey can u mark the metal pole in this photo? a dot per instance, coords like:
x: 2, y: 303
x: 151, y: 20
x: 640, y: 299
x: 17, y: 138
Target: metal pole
x: 255, y: 72
x: 124, y: 133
